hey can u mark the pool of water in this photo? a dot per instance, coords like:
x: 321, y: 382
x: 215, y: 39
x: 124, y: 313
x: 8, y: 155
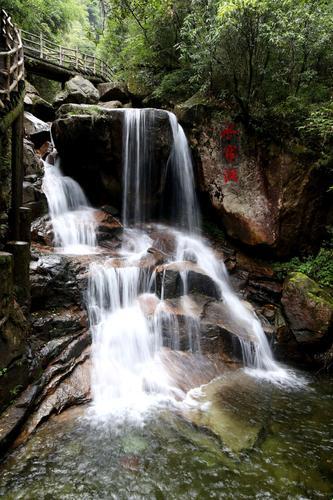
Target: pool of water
x: 255, y: 441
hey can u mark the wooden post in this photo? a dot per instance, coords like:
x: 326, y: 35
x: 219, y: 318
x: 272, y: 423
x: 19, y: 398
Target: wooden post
x: 8, y: 61
x: 41, y: 45
x: 21, y: 253
x: 17, y: 174
x: 60, y: 55
x: 77, y: 58
x: 94, y: 65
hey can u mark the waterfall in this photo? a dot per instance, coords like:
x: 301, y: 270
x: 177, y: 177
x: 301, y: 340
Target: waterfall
x: 184, y: 203
x: 127, y: 318
x: 72, y: 218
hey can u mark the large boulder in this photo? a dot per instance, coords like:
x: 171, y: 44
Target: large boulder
x: 308, y: 308
x: 89, y: 142
x: 77, y: 90
x: 113, y: 91
x: 276, y: 199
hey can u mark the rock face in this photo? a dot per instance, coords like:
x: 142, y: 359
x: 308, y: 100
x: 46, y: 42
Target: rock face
x: 279, y: 199
x: 78, y: 90
x: 308, y: 309
x: 89, y: 142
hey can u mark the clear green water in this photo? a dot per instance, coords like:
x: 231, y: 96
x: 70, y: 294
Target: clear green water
x: 291, y: 456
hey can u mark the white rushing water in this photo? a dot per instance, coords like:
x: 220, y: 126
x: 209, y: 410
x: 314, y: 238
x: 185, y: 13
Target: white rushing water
x: 127, y: 318
x: 72, y: 218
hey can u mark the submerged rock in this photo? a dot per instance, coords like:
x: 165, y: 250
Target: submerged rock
x: 233, y: 407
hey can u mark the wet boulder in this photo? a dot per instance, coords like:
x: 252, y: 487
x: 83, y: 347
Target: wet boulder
x: 57, y: 281
x: 308, y: 308
x: 77, y: 90
x: 170, y: 280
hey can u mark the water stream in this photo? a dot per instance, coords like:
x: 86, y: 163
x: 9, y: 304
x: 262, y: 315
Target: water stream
x: 129, y: 371
x: 261, y: 431
x: 72, y: 218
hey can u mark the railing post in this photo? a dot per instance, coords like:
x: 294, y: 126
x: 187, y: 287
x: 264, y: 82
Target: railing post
x: 8, y: 64
x: 77, y: 58
x: 94, y: 67
x: 41, y: 45
x: 60, y: 55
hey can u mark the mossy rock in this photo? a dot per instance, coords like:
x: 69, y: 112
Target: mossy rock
x: 308, y: 307
x: 194, y: 109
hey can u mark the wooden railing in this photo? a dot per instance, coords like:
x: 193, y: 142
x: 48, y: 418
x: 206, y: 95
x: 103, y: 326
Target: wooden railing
x: 39, y: 47
x: 11, y: 58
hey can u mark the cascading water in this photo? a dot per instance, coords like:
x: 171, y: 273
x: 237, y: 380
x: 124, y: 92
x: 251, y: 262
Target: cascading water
x: 128, y: 371
x: 71, y: 216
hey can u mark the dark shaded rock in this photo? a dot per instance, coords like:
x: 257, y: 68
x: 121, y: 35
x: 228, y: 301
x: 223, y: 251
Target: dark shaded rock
x: 89, y: 142
x: 58, y: 322
x: 113, y: 91
x: 42, y: 231
x: 308, y: 308
x: 40, y: 108
x: 263, y: 291
x: 194, y: 109
x: 32, y: 163
x: 57, y: 281
x: 13, y: 418
x: 170, y: 284
x: 38, y: 208
x: 77, y: 90
x: 63, y: 390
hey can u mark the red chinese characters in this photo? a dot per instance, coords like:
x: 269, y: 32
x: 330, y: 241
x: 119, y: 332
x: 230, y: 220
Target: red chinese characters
x: 230, y: 152
x: 230, y: 175
x: 229, y: 132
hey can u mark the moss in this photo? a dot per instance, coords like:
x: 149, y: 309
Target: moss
x: 311, y: 288
x: 81, y: 110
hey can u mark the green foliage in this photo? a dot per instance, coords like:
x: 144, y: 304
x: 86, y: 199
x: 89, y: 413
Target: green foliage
x: 3, y: 372
x: 78, y: 20
x: 16, y: 390
x: 319, y: 267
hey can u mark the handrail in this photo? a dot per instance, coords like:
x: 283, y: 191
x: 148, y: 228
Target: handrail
x: 11, y: 58
x: 15, y: 44
x: 39, y: 47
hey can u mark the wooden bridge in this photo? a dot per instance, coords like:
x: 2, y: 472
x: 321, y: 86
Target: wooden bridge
x: 19, y: 49
x: 48, y: 59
